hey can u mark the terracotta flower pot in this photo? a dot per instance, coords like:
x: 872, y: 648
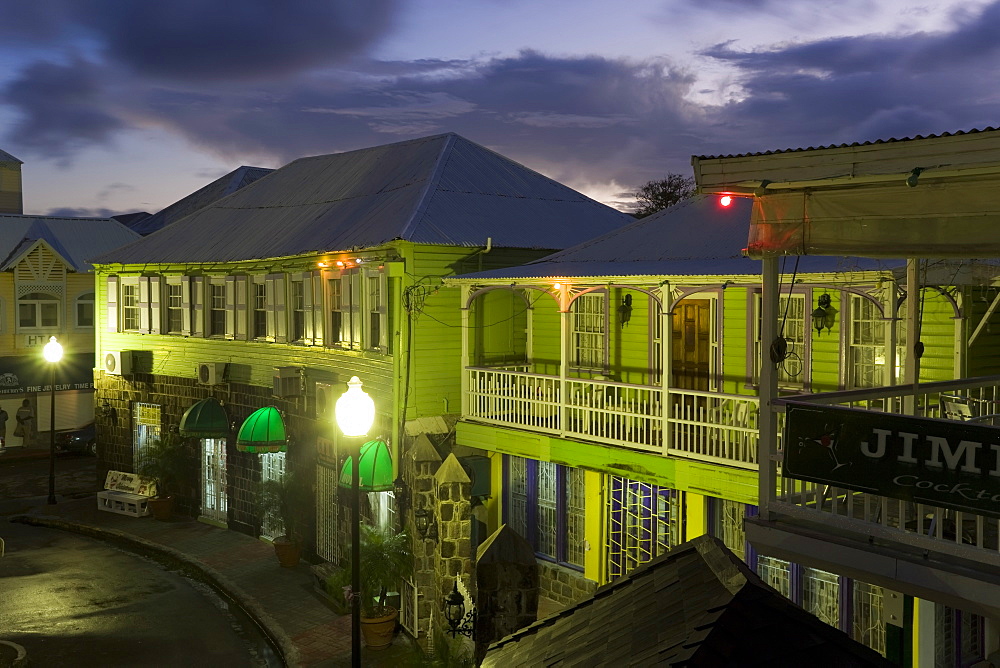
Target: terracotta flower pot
x: 161, y: 507
x: 287, y: 551
x: 377, y: 631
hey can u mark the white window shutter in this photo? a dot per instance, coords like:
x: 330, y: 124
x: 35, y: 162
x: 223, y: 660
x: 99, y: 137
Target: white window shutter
x: 277, y: 317
x: 198, y: 306
x: 186, y: 305
x: 308, y: 333
x: 112, y: 300
x: 318, y: 313
x: 144, y: 304
x: 155, y: 297
x: 240, y: 312
x: 230, y: 307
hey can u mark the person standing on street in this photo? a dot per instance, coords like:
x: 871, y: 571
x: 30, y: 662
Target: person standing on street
x: 3, y: 430
x: 25, y: 428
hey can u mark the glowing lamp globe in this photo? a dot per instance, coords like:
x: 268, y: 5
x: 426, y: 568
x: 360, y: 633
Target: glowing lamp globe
x: 52, y: 351
x: 726, y: 200
x: 355, y: 410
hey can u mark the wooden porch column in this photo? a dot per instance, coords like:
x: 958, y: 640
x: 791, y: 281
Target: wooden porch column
x: 911, y: 369
x: 564, y: 351
x: 666, y: 368
x: 464, y: 296
x: 767, y: 439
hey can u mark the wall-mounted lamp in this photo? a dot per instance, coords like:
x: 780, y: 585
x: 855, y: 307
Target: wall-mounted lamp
x: 425, y: 524
x: 108, y: 412
x: 824, y: 315
x: 401, y: 494
x: 459, y: 621
x: 911, y: 180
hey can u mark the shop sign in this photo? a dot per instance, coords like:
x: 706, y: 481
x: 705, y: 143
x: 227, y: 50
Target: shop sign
x: 943, y: 463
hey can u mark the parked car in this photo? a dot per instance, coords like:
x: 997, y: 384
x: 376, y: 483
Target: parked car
x: 81, y: 441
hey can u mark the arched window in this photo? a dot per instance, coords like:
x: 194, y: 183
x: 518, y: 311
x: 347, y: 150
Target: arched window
x: 37, y: 310
x: 85, y: 310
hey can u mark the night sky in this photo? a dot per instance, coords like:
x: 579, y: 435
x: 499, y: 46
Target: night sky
x: 124, y: 105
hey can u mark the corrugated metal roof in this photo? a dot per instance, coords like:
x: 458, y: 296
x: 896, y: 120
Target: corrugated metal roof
x: 865, y: 143
x: 7, y: 159
x: 697, y: 237
x: 437, y: 190
x: 217, y: 189
x: 76, y: 239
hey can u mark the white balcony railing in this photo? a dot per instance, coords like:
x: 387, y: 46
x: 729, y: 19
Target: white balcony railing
x: 919, y: 525
x: 705, y: 426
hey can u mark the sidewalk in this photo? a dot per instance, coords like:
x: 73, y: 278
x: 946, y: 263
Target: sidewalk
x: 281, y: 600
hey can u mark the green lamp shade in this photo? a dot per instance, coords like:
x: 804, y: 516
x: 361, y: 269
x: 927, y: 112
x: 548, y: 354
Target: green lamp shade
x: 263, y: 431
x: 205, y: 419
x: 375, y: 469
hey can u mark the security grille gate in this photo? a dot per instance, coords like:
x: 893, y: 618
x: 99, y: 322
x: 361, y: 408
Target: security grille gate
x: 328, y: 512
x: 214, y: 505
x: 644, y: 521
x: 146, y: 421
x: 272, y: 468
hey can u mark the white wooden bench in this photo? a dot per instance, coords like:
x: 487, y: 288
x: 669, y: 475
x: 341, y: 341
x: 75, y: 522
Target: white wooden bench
x: 126, y: 494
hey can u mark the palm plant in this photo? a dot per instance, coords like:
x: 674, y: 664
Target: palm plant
x: 386, y: 558
x: 165, y: 460
x: 283, y: 501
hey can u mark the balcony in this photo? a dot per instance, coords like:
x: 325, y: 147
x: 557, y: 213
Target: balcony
x: 704, y: 426
x: 933, y: 552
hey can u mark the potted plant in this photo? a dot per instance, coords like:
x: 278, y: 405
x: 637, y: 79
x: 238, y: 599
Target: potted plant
x: 165, y: 460
x: 284, y: 501
x: 386, y: 558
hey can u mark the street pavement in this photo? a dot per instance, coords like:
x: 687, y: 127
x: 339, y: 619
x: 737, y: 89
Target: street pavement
x: 281, y: 600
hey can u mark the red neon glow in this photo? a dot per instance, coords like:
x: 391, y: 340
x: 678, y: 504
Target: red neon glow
x: 725, y: 200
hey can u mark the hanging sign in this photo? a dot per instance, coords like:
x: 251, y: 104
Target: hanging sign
x: 943, y: 463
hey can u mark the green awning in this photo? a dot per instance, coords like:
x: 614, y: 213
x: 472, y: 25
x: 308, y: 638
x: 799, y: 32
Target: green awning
x: 263, y: 431
x: 375, y: 469
x: 205, y: 419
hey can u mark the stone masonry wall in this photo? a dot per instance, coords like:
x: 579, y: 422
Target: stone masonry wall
x: 175, y: 395
x: 563, y: 585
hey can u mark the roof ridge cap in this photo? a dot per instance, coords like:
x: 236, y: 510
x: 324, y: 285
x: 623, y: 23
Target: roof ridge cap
x: 432, y: 182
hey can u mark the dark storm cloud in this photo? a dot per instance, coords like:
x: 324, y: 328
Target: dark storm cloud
x: 63, y: 107
x: 198, y: 40
x: 864, y: 88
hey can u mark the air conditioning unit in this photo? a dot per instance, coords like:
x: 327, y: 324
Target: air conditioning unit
x: 118, y: 362
x: 211, y: 373
x: 287, y: 381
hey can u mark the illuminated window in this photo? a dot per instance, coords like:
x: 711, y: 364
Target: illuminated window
x: 259, y: 314
x: 866, y: 347
x: 85, y: 310
x: 298, y: 303
x: 175, y: 308
x: 792, y: 371
x: 130, y: 306
x: 217, y: 308
x: 545, y: 505
x: 589, y: 317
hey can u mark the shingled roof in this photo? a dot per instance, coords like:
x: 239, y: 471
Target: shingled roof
x: 697, y: 605
x: 437, y: 190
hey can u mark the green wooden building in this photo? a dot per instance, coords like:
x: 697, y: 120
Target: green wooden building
x: 614, y: 388
x: 276, y: 295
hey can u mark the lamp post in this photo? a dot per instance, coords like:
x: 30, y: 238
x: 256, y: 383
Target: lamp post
x: 53, y: 353
x: 355, y: 412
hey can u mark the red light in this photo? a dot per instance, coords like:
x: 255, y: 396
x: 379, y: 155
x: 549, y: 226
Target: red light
x: 725, y: 200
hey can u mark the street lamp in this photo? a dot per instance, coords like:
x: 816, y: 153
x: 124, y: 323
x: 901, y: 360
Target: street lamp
x: 355, y: 412
x: 52, y: 352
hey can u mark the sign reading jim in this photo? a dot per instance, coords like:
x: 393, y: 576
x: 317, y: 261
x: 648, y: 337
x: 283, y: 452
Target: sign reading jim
x: 938, y: 462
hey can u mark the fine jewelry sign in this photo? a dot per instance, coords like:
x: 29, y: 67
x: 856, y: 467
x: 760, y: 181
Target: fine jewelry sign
x: 944, y: 463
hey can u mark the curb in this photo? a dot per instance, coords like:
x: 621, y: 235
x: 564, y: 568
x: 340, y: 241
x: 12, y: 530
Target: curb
x: 267, y: 624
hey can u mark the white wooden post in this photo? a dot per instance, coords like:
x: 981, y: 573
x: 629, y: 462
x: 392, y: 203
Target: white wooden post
x: 767, y: 443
